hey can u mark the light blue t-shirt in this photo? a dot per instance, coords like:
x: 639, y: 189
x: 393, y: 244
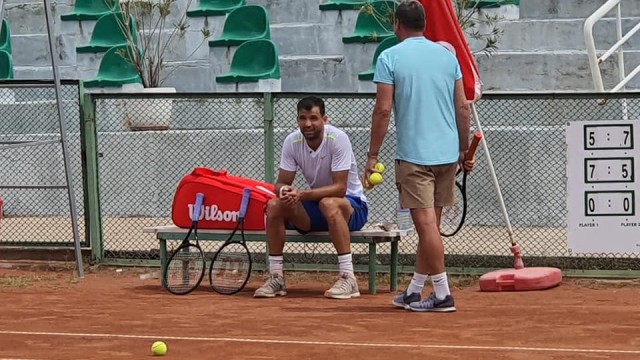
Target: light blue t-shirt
x: 423, y: 74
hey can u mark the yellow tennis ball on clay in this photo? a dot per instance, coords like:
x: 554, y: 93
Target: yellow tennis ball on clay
x: 379, y: 167
x: 375, y: 179
x: 159, y: 348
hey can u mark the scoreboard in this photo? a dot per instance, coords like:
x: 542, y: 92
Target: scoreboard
x: 602, y: 186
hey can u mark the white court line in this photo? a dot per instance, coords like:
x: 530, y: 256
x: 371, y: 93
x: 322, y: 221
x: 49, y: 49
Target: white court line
x: 327, y: 343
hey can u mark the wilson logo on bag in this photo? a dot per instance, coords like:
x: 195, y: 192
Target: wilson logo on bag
x: 222, y: 196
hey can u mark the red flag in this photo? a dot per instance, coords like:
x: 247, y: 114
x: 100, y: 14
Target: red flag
x: 443, y: 25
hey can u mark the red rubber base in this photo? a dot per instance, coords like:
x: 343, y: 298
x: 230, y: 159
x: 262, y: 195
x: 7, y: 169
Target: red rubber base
x: 533, y: 278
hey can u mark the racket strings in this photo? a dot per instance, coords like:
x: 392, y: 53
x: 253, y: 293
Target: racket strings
x: 185, y: 269
x: 230, y: 268
x: 452, y: 215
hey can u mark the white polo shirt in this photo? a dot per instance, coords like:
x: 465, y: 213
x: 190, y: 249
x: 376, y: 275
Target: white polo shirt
x: 333, y: 154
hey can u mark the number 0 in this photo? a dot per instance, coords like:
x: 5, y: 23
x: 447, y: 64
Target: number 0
x: 592, y: 205
x: 625, y: 204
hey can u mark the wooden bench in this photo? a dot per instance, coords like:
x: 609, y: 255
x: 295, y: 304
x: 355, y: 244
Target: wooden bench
x: 368, y: 236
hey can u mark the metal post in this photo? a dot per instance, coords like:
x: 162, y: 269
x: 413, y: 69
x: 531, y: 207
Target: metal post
x: 269, y: 149
x: 621, y: 69
x: 63, y: 136
x: 1, y: 11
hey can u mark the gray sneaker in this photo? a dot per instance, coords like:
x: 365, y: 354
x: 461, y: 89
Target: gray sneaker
x: 273, y: 287
x: 432, y: 304
x: 403, y: 300
x: 345, y: 288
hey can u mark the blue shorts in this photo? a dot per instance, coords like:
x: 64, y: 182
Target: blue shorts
x: 318, y: 222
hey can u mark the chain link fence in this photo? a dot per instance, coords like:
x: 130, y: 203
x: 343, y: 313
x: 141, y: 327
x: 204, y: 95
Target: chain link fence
x: 38, y: 216
x: 139, y: 171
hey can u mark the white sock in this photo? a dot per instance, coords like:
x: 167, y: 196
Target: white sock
x: 440, y: 285
x: 345, y: 262
x: 275, y: 264
x: 417, y: 283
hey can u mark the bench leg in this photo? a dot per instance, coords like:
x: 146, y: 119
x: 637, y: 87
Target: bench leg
x: 163, y: 261
x: 394, y: 266
x: 372, y: 268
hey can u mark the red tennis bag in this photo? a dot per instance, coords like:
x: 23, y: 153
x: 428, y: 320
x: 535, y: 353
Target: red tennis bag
x: 222, y: 197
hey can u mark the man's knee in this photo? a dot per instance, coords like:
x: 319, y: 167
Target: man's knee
x: 275, y: 209
x: 333, y: 208
x: 425, y: 217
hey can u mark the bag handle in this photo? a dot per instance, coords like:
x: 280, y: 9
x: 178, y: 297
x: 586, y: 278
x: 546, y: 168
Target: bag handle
x: 202, y: 171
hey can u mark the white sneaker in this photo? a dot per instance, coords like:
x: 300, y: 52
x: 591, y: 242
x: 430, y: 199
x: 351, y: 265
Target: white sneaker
x: 345, y: 288
x: 273, y: 287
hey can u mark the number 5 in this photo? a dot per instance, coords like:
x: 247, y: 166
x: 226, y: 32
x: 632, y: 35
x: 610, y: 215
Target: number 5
x: 592, y: 138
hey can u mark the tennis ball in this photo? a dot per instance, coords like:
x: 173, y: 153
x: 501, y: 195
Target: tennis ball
x: 379, y: 167
x: 375, y: 179
x: 159, y: 348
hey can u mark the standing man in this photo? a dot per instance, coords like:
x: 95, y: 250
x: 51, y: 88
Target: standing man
x: 422, y: 82
x: 334, y: 202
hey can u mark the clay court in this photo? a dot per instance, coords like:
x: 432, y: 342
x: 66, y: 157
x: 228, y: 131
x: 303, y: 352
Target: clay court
x: 113, y: 314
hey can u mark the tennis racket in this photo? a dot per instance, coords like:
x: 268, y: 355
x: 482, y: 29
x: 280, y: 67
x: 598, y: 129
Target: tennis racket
x: 230, y: 268
x: 453, y: 217
x: 185, y: 268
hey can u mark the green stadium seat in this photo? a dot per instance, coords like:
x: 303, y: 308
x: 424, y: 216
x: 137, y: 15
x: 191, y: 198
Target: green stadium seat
x: 215, y: 7
x: 374, y: 23
x: 384, y: 45
x: 343, y: 5
x: 249, y: 22
x: 116, y: 69
x: 108, y: 33
x: 91, y: 9
x: 6, y: 66
x: 5, y: 37
x: 252, y: 61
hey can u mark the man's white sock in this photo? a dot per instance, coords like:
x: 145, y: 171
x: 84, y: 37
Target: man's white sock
x: 275, y: 264
x: 441, y: 285
x: 345, y: 262
x: 417, y: 283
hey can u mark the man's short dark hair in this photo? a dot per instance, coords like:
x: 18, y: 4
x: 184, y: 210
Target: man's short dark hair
x: 309, y: 102
x: 410, y: 14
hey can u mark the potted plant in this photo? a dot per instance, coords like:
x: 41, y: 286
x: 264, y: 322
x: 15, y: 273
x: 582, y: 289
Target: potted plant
x: 158, y: 25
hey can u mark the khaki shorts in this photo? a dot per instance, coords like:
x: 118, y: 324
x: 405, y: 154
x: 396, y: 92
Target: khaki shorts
x: 422, y: 186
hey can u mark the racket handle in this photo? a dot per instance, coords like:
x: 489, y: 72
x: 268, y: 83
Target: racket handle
x: 246, y: 195
x: 474, y: 145
x: 198, y: 206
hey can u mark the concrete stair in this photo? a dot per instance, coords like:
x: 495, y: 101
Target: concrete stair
x: 545, y: 49
x: 571, y: 9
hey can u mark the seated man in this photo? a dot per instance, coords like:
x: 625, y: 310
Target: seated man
x: 335, y: 201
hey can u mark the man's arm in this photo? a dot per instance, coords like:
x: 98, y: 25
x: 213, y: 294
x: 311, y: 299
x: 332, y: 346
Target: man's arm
x: 285, y: 178
x: 337, y: 189
x: 463, y: 117
x: 380, y: 118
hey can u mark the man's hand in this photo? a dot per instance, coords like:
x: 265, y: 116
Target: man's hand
x: 289, y: 195
x: 369, y: 169
x: 466, y: 164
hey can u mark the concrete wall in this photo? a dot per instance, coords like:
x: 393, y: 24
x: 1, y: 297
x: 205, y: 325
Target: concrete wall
x: 542, y: 47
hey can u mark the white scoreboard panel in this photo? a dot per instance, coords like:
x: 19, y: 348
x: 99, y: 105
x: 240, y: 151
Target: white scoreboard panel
x: 603, y: 187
